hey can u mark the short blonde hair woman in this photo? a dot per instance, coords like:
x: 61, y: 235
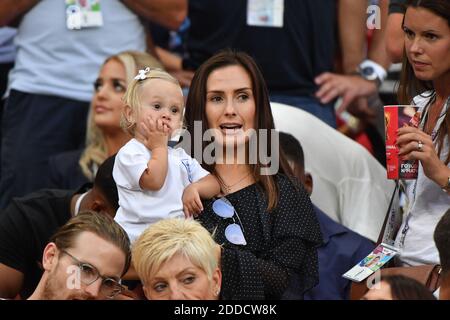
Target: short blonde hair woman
x: 176, y: 259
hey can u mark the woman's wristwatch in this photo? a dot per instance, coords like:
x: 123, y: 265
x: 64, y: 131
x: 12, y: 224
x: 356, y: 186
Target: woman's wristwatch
x: 372, y: 71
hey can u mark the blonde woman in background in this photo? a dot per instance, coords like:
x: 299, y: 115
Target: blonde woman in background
x: 104, y: 137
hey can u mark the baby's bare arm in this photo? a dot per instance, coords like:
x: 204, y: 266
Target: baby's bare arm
x: 155, y: 135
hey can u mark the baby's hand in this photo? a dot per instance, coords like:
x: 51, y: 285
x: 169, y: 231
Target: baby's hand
x: 155, y: 133
x: 192, y: 204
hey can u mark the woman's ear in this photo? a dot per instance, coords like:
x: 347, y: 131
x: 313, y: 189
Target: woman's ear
x: 50, y: 256
x: 216, y: 282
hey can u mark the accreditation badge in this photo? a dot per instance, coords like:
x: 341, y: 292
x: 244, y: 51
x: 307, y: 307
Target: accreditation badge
x: 82, y: 14
x: 265, y: 13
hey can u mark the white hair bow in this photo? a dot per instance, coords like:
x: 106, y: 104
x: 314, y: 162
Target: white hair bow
x: 142, y: 74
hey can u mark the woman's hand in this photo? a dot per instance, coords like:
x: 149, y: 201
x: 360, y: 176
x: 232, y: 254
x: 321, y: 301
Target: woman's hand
x: 414, y: 144
x: 192, y: 204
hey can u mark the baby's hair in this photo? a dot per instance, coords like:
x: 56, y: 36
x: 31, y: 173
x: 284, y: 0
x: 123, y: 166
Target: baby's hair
x: 131, y: 97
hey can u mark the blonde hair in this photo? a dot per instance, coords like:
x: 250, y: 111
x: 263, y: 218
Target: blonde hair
x: 95, y: 152
x: 132, y: 96
x: 168, y: 237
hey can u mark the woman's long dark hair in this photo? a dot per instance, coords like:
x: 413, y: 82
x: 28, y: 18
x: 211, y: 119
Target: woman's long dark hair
x: 410, y: 86
x: 196, y: 105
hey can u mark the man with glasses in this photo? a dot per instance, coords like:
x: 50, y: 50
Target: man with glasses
x: 27, y: 224
x: 85, y: 259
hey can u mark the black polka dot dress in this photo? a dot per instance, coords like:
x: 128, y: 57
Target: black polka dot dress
x: 280, y: 256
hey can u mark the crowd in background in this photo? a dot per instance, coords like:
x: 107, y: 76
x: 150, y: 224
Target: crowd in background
x: 106, y: 191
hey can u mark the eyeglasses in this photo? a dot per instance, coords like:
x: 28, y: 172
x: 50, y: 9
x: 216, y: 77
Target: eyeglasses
x: 233, y: 233
x: 89, y: 274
